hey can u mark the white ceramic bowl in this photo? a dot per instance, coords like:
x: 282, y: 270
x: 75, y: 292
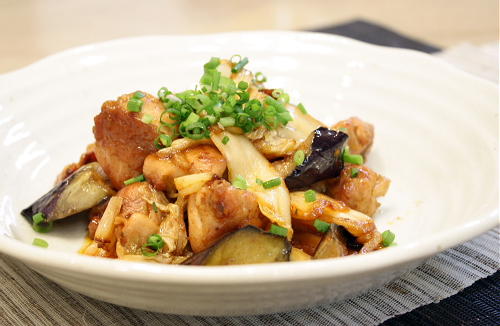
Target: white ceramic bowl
x: 436, y: 138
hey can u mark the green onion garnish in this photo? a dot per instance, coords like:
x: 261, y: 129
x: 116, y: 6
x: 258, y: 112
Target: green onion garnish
x: 310, y: 196
x: 147, y: 118
x: 225, y: 140
x: 139, y: 178
x: 259, y: 181
x: 351, y: 158
x: 302, y: 109
x: 237, y: 67
x: 235, y: 59
x: 153, y: 245
x: 321, y: 226
x: 134, y: 105
x: 260, y: 78
x: 299, y: 157
x: 271, y: 183
x: 40, y: 243
x: 343, y: 129
x: 138, y: 95
x: 155, y: 208
x: 388, y: 238
x: 40, y: 223
x: 227, y: 121
x: 165, y: 140
x: 354, y: 172
x: 218, y: 101
x: 240, y: 183
x: 243, y: 85
x: 278, y: 230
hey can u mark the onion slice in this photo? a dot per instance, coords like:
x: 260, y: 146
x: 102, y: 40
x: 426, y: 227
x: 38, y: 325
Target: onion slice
x: 104, y: 231
x: 243, y: 160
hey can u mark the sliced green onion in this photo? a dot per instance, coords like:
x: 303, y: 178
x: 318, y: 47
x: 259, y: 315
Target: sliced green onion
x: 155, y: 208
x: 259, y: 181
x: 40, y: 243
x: 271, y: 183
x: 227, y: 121
x: 310, y: 196
x: 240, y: 183
x: 153, y: 246
x: 242, y: 63
x: 351, y: 158
x: 388, y: 238
x: 212, y: 64
x: 354, y: 172
x: 278, y: 230
x: 235, y: 59
x: 321, y: 226
x: 40, y: 223
x: 225, y: 140
x: 147, y: 118
x: 163, y: 93
x: 344, y: 130
x: 165, y: 140
x: 260, y: 78
x: 138, y: 95
x: 243, y: 85
x: 134, y: 105
x: 302, y: 109
x: 299, y: 157
x: 277, y: 93
x: 139, y: 178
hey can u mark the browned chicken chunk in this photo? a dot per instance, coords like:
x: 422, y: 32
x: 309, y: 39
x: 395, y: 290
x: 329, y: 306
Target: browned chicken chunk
x: 139, y: 219
x: 161, y: 170
x: 360, y: 134
x: 122, y: 140
x: 217, y: 209
x: 360, y: 192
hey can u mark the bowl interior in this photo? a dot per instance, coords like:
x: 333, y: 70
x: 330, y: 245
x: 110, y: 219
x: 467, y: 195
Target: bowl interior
x: 436, y: 129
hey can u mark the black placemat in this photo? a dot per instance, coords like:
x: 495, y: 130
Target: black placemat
x: 478, y: 304
x: 369, y: 32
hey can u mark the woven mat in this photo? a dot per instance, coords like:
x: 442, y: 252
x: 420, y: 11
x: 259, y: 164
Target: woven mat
x: 26, y: 298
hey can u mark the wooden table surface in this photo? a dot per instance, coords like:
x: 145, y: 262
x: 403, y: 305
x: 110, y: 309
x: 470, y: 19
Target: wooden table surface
x: 31, y: 29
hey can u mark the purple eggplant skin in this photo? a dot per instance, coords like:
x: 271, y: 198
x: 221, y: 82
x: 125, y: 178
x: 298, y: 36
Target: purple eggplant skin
x: 248, y: 245
x: 82, y: 190
x: 324, y: 161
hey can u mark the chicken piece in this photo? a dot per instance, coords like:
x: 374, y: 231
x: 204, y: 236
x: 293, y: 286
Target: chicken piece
x: 161, y: 169
x: 138, y: 217
x: 85, y: 158
x: 359, y: 225
x: 122, y: 140
x: 360, y: 134
x: 360, y: 192
x: 217, y: 209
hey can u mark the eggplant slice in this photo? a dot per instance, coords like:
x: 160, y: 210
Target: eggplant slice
x: 82, y: 190
x: 248, y: 245
x: 323, y: 162
x: 333, y: 244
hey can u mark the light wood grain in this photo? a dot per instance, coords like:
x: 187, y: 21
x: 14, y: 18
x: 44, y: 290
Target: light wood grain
x: 30, y: 30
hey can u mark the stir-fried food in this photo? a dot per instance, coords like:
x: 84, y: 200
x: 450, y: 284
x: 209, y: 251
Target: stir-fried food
x: 229, y: 172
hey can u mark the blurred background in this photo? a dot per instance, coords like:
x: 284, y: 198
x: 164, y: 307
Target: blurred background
x: 30, y: 30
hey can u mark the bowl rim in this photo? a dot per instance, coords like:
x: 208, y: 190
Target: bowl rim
x: 263, y: 273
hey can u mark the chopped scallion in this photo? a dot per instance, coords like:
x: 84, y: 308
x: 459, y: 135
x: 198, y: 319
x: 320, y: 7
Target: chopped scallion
x: 278, y: 230
x: 138, y: 95
x: 351, y: 158
x: 354, y: 172
x: 299, y: 157
x: 139, y: 178
x: 153, y: 246
x: 321, y: 226
x: 237, y: 67
x: 155, y: 208
x: 40, y: 223
x: 227, y: 121
x: 310, y: 196
x: 388, y: 238
x: 271, y: 183
x: 240, y: 183
x: 225, y: 140
x: 260, y: 78
x: 165, y: 140
x: 134, y: 105
x: 40, y: 243
x: 302, y: 109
